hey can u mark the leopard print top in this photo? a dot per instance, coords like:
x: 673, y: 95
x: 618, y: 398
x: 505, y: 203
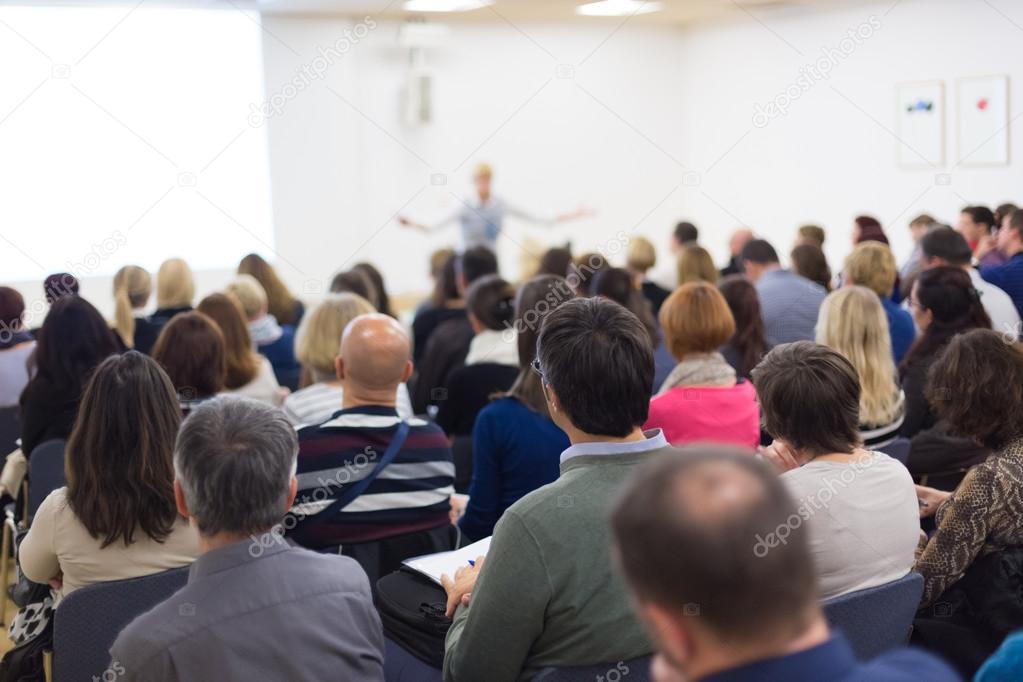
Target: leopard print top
x: 983, y: 515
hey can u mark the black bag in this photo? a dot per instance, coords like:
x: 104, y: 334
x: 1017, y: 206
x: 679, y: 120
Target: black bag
x: 411, y: 609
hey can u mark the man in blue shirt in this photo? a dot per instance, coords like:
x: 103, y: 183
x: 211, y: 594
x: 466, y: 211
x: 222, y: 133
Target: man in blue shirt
x: 1008, y: 276
x: 788, y: 303
x: 717, y: 560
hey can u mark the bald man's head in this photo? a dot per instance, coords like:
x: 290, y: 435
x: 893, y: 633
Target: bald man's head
x: 374, y: 355
x: 714, y: 526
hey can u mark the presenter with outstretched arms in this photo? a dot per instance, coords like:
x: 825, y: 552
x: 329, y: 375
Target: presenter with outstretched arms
x: 482, y: 217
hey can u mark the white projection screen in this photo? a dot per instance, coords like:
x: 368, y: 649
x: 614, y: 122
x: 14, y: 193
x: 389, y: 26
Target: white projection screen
x: 125, y: 138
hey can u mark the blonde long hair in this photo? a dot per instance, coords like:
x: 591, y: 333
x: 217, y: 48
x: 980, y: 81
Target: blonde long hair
x: 852, y: 322
x: 132, y: 288
x: 175, y: 286
x: 318, y: 338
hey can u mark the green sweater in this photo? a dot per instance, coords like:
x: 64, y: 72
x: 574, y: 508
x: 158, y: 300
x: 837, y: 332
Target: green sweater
x: 548, y: 594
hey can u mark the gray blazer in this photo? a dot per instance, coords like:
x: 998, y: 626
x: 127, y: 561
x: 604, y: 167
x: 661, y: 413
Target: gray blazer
x: 260, y: 609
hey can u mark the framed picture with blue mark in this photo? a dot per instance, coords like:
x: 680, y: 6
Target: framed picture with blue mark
x: 920, y: 124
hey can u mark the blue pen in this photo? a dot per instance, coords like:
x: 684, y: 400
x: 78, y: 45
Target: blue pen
x: 472, y: 563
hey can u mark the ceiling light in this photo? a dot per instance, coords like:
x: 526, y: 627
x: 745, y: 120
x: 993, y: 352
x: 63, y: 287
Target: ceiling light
x: 617, y: 8
x: 444, y: 5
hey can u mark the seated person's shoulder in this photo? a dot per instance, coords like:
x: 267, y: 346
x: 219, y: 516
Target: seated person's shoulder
x: 344, y: 571
x: 907, y: 664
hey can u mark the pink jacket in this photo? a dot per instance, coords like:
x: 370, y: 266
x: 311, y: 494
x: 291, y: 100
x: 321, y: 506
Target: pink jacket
x: 714, y: 414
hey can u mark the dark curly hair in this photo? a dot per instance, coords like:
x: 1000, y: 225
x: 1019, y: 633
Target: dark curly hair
x: 976, y: 386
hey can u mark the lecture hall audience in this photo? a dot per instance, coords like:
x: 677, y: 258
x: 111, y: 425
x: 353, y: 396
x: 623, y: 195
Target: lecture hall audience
x: 404, y: 511
x: 859, y: 505
x: 734, y: 616
x: 515, y: 445
x: 788, y: 302
x: 255, y: 607
x: 531, y: 602
x: 116, y: 518
x: 541, y: 396
x: 852, y: 322
x: 246, y: 372
x: 872, y: 265
x: 702, y: 399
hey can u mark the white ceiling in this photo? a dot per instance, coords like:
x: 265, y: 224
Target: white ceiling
x: 673, y: 12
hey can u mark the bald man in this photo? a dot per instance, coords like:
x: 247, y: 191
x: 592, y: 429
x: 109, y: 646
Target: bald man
x: 370, y: 483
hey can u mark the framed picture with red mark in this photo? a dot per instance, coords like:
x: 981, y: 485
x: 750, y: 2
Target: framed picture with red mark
x: 983, y: 115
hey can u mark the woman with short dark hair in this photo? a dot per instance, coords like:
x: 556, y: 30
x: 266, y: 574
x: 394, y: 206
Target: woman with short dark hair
x: 860, y: 506
x: 117, y: 516
x: 976, y: 387
x: 191, y: 350
x: 74, y: 339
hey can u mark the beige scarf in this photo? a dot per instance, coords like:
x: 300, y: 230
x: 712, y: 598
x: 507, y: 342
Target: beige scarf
x: 700, y: 369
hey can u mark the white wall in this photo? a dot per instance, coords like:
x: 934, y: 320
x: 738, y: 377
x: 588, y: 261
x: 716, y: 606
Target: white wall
x: 829, y: 158
x: 342, y: 169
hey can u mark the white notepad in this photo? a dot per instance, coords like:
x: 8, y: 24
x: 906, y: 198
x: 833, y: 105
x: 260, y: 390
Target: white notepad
x: 433, y: 566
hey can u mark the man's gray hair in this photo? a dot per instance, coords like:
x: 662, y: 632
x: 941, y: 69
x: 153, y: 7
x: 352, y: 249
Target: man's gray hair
x: 235, y: 459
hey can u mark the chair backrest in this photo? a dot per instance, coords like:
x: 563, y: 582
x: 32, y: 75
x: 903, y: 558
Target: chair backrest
x: 898, y: 449
x: 633, y: 670
x: 45, y: 472
x: 10, y: 429
x: 87, y: 621
x: 877, y: 619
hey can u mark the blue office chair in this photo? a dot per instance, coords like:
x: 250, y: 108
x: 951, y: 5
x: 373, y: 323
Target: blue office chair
x: 633, y: 670
x: 898, y: 449
x: 45, y: 473
x: 88, y: 620
x: 401, y: 666
x: 877, y: 619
